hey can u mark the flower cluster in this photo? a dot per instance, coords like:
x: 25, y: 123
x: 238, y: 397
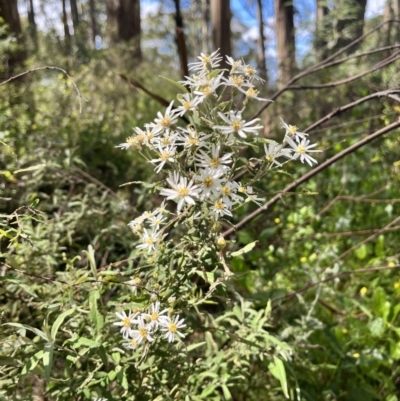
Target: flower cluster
x: 137, y: 328
x: 199, y: 161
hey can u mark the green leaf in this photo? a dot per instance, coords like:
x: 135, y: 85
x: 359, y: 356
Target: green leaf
x: 227, y: 393
x: 92, y: 262
x: 361, y: 252
x: 244, y: 250
x: 194, y: 346
x: 94, y: 314
x: 277, y: 369
x: 32, y: 168
x: 59, y: 321
x: 177, y: 84
x: 377, y: 327
x: 32, y: 362
x: 48, y: 360
x: 33, y: 329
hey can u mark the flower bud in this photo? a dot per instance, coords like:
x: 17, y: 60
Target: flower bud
x: 171, y: 300
x: 155, y: 276
x: 154, y: 297
x: 221, y: 243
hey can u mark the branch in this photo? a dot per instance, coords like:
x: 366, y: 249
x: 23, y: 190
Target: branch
x: 335, y: 276
x: 80, y: 97
x: 311, y: 174
x: 351, y: 105
x: 322, y: 64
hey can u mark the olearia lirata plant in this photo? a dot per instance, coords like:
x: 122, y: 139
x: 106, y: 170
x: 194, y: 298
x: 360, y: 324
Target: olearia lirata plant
x: 198, y: 163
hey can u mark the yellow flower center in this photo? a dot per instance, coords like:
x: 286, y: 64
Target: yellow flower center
x: 214, y: 162
x: 165, y: 122
x: 166, y: 141
x: 143, y: 332
x: 206, y: 90
x: 183, y: 192
x: 238, y: 80
x: 137, y: 281
x: 133, y: 343
x: 154, y: 316
x: 226, y: 190
x: 126, y: 322
x: 140, y: 138
x: 187, y: 105
x: 131, y: 140
x: 242, y: 190
x: 219, y: 205
x: 269, y: 158
x: 208, y: 182
x: 292, y: 129
x: 193, y: 141
x: 172, y: 328
x: 164, y: 156
x: 250, y: 70
x: 251, y: 92
x: 236, y: 125
x: 301, y: 149
x: 150, y: 241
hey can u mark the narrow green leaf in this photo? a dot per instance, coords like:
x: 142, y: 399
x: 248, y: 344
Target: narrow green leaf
x: 227, y: 393
x: 277, y: 369
x: 48, y: 360
x: 177, y: 84
x: 33, y: 329
x: 32, y: 168
x: 59, y: 321
x: 94, y: 314
x: 194, y: 346
x: 244, y: 250
x: 92, y: 261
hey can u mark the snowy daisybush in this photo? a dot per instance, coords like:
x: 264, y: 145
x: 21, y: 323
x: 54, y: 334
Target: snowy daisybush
x: 197, y: 163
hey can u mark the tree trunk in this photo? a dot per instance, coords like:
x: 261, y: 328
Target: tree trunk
x: 180, y: 40
x: 320, y: 42
x: 205, y: 11
x: 74, y: 14
x: 387, y: 15
x: 67, y: 34
x: 262, y: 63
x: 350, y: 23
x: 32, y: 29
x: 221, y: 28
x: 92, y: 22
x: 123, y: 20
x: 284, y: 14
x: 396, y: 15
x: 10, y: 15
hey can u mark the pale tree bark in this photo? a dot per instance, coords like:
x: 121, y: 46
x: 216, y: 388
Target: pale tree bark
x: 387, y: 29
x: 205, y: 11
x: 9, y: 13
x: 350, y: 23
x: 123, y: 20
x: 221, y: 28
x: 284, y: 14
x: 180, y: 40
x: 262, y: 63
x: 320, y: 42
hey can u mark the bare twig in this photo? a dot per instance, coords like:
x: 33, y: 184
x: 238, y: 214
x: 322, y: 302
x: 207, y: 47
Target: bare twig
x: 311, y: 174
x: 80, y: 97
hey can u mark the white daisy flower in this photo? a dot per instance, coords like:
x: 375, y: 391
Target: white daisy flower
x: 253, y: 94
x: 208, y: 86
x: 237, y: 81
x: 150, y: 239
x: 166, y: 154
x: 164, y: 122
x: 143, y: 332
x: 207, y: 62
x: 190, y: 138
x: 237, y: 66
x: 209, y: 182
x: 274, y: 150
x: 215, y: 162
x: 131, y: 344
x: 171, y: 328
x: 292, y: 132
x: 155, y: 317
x: 168, y: 139
x: 251, y: 73
x: 301, y: 149
x: 220, y: 208
x: 156, y: 221
x: 253, y: 197
x: 238, y: 126
x: 181, y: 190
x: 227, y: 192
x: 126, y: 321
x: 188, y: 104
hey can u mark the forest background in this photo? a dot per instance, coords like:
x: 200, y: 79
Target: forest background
x: 311, y: 312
